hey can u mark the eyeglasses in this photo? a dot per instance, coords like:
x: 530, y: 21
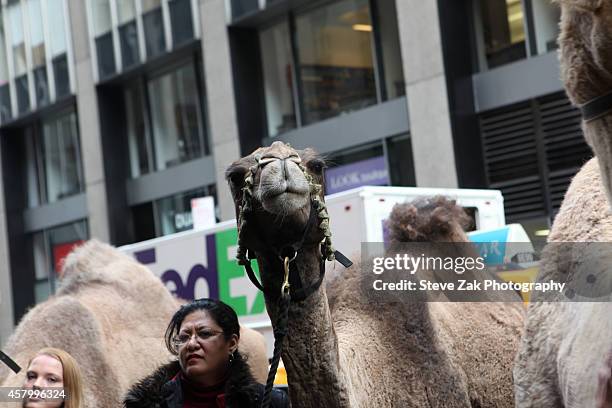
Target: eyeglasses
x: 201, y: 335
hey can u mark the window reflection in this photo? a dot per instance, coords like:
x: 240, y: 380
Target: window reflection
x: 128, y: 33
x: 138, y: 135
x: 61, y: 158
x: 5, y: 99
x: 57, y: 43
x: 103, y: 37
x: 153, y: 23
x: 50, y: 248
x: 175, y: 115
x: 174, y: 213
x: 503, y: 31
x: 37, y: 44
x: 181, y: 21
x: 53, y: 168
x: 390, y: 49
x: 546, y: 18
x: 278, y: 78
x: 336, y: 62
x: 15, y: 17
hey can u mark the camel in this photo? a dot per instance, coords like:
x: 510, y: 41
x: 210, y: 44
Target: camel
x: 344, y: 351
x: 110, y: 313
x: 566, y: 343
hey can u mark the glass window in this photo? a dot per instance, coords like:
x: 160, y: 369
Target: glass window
x: 5, y: 97
x: 32, y: 168
x: 57, y: 44
x: 241, y: 7
x: 53, y: 161
x: 546, y: 18
x: 23, y: 95
x: 101, y: 16
x: 62, y: 78
x: 391, y: 55
x: 153, y: 23
x: 401, y: 163
x: 128, y: 33
x: 50, y: 248
x: 503, y: 31
x: 278, y: 78
x: 148, y: 5
x: 103, y: 37
x: 37, y: 41
x: 19, y: 57
x: 336, y: 64
x: 138, y: 136
x: 17, y: 38
x: 181, y: 21
x: 37, y: 44
x: 57, y: 26
x: 176, y: 117
x: 60, y: 160
x: 174, y: 213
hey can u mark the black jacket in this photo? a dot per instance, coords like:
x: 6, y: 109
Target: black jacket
x: 159, y: 390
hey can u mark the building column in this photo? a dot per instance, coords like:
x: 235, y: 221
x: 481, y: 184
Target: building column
x: 428, y: 108
x: 89, y: 125
x: 6, y: 295
x: 223, y: 138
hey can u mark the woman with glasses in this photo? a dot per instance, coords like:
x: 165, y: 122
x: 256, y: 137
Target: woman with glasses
x: 209, y: 371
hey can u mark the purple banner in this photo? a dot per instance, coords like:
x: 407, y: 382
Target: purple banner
x: 370, y: 172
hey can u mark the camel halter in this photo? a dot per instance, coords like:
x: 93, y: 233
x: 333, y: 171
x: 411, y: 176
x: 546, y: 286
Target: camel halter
x: 596, y: 107
x: 287, y: 254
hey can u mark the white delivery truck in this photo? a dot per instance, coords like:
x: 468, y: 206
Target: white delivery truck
x: 201, y: 263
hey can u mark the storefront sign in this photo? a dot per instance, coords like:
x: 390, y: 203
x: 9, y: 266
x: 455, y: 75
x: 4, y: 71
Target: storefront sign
x: 370, y: 172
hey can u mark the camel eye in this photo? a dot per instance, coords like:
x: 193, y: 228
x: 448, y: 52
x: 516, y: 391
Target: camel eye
x: 316, y: 166
x: 236, y: 176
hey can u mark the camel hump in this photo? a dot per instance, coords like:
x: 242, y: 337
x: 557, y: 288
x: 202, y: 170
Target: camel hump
x: 89, y: 264
x: 425, y: 219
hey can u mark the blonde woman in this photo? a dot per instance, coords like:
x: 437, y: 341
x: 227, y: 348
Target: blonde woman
x: 52, y: 368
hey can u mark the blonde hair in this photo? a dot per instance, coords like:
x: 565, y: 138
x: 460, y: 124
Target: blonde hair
x: 71, y: 373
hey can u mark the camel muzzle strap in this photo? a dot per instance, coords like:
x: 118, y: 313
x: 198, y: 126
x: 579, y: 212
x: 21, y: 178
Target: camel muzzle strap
x: 9, y: 362
x: 596, y: 107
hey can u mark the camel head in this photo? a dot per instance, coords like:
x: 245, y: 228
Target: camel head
x: 432, y: 219
x: 585, y: 44
x: 275, y: 189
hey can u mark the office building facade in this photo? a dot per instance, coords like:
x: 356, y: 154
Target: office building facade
x: 114, y: 114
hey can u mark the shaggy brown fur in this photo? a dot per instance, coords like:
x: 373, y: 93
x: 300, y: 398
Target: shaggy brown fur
x: 427, y: 220
x: 110, y: 314
x: 359, y: 354
x: 565, y: 343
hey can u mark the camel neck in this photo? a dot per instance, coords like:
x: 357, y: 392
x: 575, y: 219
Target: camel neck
x: 310, y: 351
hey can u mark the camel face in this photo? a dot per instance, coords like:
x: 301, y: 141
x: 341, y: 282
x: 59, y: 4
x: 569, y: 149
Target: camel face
x: 281, y: 180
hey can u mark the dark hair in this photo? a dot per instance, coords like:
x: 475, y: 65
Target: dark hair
x: 220, y: 312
